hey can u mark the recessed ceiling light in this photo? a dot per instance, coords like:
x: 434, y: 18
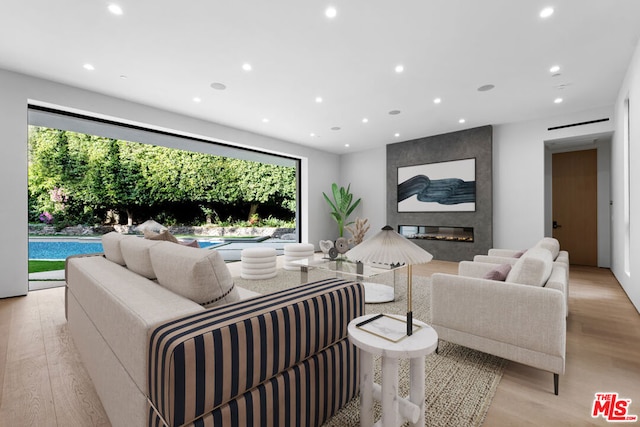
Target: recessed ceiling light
x: 218, y: 86
x: 312, y: 135
x: 318, y: 99
x: 196, y: 99
x: 346, y: 145
x: 365, y: 120
x: 331, y: 12
x: 558, y: 100
x: 485, y: 88
x: 397, y: 135
x: 461, y: 121
x: 399, y: 68
x: 394, y: 112
x: 123, y: 77
x: 554, y: 69
x: 246, y: 66
x: 88, y: 67
x: 546, y: 12
x: 115, y: 9
x: 437, y: 101
x: 265, y: 120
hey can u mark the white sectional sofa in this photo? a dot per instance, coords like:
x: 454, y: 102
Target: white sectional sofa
x: 167, y: 341
x: 521, y: 318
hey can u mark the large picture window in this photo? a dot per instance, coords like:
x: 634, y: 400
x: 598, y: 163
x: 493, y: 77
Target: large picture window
x: 196, y: 177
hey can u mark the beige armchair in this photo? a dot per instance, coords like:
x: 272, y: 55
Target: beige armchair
x: 522, y: 319
x: 511, y: 256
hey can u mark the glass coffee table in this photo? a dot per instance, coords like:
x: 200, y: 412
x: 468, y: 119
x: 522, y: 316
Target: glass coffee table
x: 373, y: 292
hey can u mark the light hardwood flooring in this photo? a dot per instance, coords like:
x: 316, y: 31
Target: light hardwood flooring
x: 43, y: 383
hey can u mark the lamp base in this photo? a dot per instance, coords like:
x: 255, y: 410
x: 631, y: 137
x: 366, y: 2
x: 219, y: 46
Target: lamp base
x: 409, y: 322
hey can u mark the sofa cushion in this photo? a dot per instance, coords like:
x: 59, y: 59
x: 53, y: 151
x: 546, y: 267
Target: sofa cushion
x: 111, y: 247
x: 550, y: 244
x: 198, y: 274
x: 135, y: 252
x: 533, y: 268
x: 163, y: 235
x: 498, y: 273
x: 191, y: 243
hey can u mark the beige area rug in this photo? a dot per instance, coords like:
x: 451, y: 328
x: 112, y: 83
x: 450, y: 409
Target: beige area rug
x: 460, y: 382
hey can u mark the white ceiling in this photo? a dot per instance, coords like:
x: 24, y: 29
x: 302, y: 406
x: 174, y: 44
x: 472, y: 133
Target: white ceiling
x: 171, y: 52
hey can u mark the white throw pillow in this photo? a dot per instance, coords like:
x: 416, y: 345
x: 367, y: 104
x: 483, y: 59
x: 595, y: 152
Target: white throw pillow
x: 550, y: 244
x: 135, y: 251
x: 111, y: 247
x: 533, y: 268
x: 198, y: 274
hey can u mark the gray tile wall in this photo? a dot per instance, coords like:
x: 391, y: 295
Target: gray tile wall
x: 471, y: 143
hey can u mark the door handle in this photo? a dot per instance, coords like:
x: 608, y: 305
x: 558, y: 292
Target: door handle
x: 556, y: 225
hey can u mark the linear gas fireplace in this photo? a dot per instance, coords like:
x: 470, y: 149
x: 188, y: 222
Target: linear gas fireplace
x: 427, y: 232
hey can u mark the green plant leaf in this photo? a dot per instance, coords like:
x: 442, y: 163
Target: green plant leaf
x: 351, y: 209
x: 341, y: 205
x: 330, y: 202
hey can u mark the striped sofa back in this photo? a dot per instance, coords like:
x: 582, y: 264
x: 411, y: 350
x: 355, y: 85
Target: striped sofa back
x: 200, y: 363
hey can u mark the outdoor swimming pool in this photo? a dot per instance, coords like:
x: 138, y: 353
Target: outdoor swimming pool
x: 59, y: 250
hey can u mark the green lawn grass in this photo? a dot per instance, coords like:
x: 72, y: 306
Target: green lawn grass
x: 37, y: 266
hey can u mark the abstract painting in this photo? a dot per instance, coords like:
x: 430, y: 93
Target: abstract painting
x: 438, y: 187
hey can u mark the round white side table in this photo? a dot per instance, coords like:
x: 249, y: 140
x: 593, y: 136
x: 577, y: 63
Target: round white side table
x: 415, y: 347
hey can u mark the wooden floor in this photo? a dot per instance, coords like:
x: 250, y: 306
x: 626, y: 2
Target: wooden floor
x: 43, y: 383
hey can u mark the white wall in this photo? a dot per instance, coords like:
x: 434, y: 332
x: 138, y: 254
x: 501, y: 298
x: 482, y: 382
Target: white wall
x: 630, y: 89
x: 604, y: 203
x: 518, y: 185
x: 18, y: 90
x: 367, y: 173
x: 13, y: 190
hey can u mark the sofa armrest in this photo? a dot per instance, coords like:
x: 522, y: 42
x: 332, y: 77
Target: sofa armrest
x: 66, y: 261
x: 494, y: 259
x: 506, y: 253
x: 524, y: 316
x: 475, y: 269
x: 563, y: 257
x: 197, y: 363
x: 66, y: 276
x: 559, y: 280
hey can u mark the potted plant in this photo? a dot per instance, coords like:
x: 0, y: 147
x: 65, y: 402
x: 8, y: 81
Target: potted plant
x: 341, y: 205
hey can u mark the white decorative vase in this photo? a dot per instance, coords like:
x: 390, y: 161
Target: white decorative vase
x: 325, y: 246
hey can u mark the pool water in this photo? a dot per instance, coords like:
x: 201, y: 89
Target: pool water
x: 61, y: 250
x: 56, y: 250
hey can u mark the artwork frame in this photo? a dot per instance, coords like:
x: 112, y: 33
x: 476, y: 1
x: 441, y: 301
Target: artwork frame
x: 447, y: 186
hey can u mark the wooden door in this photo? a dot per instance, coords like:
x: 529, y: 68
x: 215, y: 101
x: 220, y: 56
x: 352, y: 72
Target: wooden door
x: 575, y: 198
